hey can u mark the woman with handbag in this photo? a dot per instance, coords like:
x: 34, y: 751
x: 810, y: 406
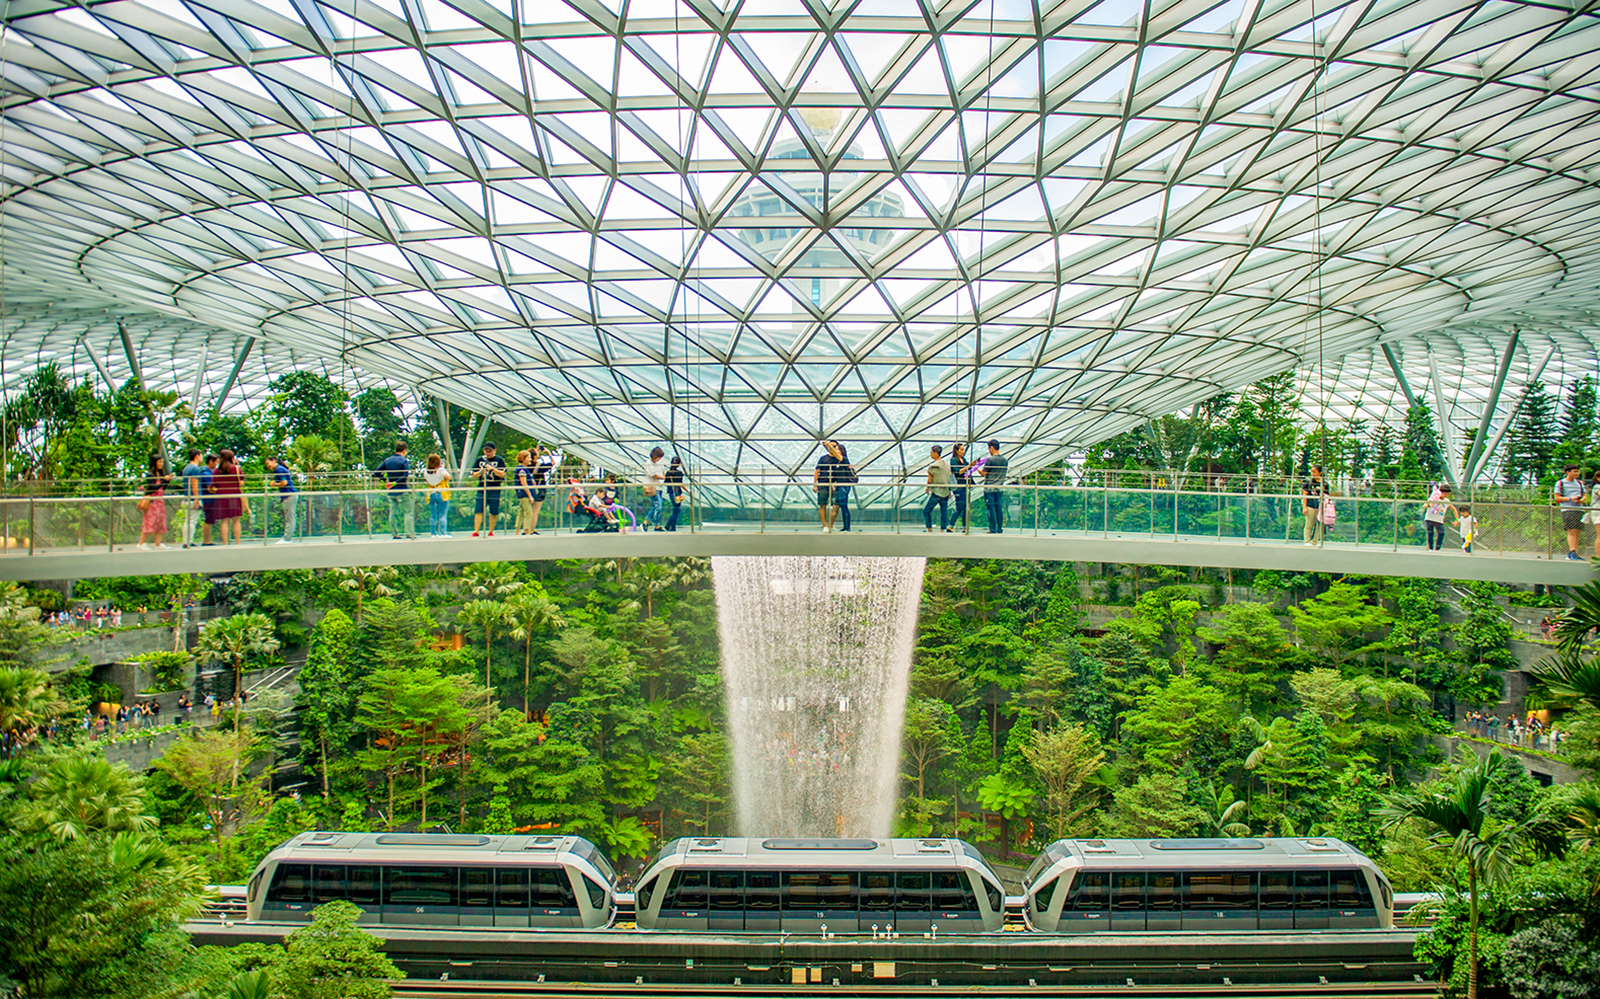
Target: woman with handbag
x: 228, y: 488
x: 154, y: 504
x: 438, y: 479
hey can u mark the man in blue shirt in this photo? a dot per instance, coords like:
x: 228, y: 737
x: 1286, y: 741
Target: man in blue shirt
x: 994, y: 483
x: 208, y: 502
x: 396, y: 471
x: 284, y: 482
x: 193, y: 493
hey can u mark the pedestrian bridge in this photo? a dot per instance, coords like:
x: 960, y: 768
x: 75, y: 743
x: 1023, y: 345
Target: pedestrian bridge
x: 67, y: 537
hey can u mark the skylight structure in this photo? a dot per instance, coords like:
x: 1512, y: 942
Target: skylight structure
x: 735, y: 227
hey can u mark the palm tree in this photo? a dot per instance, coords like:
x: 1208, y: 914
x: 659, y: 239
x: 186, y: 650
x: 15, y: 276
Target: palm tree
x: 491, y: 579
x: 529, y: 613
x: 644, y: 581
x: 233, y: 640
x: 1223, y: 812
x: 82, y: 794
x: 362, y: 581
x: 26, y: 699
x: 485, y: 614
x: 1455, y: 814
x: 1566, y: 676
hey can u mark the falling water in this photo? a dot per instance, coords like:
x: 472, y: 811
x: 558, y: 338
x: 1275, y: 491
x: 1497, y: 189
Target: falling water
x: 817, y: 656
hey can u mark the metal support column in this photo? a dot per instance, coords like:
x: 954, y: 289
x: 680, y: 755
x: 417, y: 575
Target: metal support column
x: 1469, y: 471
x: 1534, y: 374
x: 233, y: 375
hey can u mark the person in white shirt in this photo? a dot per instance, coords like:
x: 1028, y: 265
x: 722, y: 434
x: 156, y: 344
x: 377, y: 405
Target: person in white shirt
x: 1569, y: 493
x: 938, y: 491
x: 654, y: 480
x: 1467, y: 524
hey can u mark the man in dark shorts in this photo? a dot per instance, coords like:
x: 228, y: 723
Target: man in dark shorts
x: 1569, y: 493
x: 490, y: 471
x: 823, y: 477
x: 208, y: 501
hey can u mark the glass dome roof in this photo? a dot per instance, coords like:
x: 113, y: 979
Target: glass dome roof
x: 739, y: 226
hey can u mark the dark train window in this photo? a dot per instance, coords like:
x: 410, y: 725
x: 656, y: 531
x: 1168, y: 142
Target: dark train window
x: 1277, y: 890
x: 819, y: 890
x: 916, y: 891
x: 551, y: 889
x: 1310, y: 889
x: 1045, y: 894
x: 477, y: 887
x: 419, y: 886
x: 642, y: 895
x: 597, y: 894
x: 727, y: 889
x: 327, y: 883
x: 877, y: 891
x: 952, y: 892
x: 997, y: 900
x: 363, y: 884
x: 761, y: 890
x: 511, y: 884
x: 290, y: 883
x: 1088, y: 892
x: 1127, y: 891
x: 686, y: 890
x: 1222, y: 890
x: 1162, y: 892
x: 1350, y: 890
x: 255, y: 886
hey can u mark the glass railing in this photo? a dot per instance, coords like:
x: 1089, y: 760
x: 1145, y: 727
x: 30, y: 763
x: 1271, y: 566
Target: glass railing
x: 330, y: 510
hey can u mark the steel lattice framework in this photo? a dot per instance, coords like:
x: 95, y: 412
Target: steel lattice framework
x: 738, y: 226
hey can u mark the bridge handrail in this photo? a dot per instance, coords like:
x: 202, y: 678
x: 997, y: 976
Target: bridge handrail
x: 788, y: 501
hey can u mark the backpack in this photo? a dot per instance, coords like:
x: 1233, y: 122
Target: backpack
x: 1327, y: 510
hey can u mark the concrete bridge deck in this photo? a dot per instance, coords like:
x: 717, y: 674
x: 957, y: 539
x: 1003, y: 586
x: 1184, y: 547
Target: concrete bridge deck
x: 1022, y: 543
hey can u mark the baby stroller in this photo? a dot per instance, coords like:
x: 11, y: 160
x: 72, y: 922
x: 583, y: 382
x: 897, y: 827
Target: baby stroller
x: 578, y: 504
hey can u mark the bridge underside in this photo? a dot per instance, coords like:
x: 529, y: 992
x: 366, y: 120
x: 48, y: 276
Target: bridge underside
x: 1136, y: 549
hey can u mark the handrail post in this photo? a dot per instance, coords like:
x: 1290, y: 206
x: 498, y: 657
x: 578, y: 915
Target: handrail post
x: 1105, y: 513
x: 1395, y: 543
x: 33, y: 525
x: 111, y: 544
x: 762, y: 496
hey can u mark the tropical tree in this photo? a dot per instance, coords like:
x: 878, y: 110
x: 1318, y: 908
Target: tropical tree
x: 365, y: 581
x: 235, y: 640
x: 26, y: 699
x: 1222, y: 811
x: 207, y: 765
x: 82, y: 794
x: 1567, y: 675
x: 1457, y: 816
x: 333, y: 958
x: 1067, y: 760
x: 492, y: 579
x: 485, y: 614
x: 530, y: 613
x: 645, y: 582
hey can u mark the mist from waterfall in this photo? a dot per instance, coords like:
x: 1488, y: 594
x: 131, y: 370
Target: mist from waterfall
x: 817, y: 659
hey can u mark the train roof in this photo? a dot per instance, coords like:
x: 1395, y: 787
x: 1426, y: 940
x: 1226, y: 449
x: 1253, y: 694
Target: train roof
x: 1190, y: 854
x: 813, y: 852
x: 435, y: 848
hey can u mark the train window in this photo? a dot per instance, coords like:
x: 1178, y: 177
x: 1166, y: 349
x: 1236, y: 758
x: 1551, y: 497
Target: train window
x: 1161, y: 892
x: 255, y: 886
x: 1036, y: 868
x: 997, y: 899
x: 551, y: 889
x: 643, y: 894
x: 477, y: 887
x: 597, y: 894
x: 588, y: 851
x: 761, y: 890
x: 327, y: 883
x: 1088, y: 892
x: 1277, y: 890
x: 419, y: 886
x: 511, y: 884
x: 1043, y: 897
x: 952, y: 892
x: 915, y: 891
x: 819, y: 890
x: 686, y: 890
x: 1350, y: 890
x: 726, y: 889
x: 1127, y: 891
x: 363, y: 884
x: 877, y: 891
x: 1221, y: 889
x: 1310, y: 889
x: 291, y: 883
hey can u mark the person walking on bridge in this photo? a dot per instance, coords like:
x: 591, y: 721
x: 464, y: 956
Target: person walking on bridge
x: 994, y: 482
x: 154, y: 503
x: 938, y: 492
x: 395, y: 472
x: 193, y: 496
x: 1313, y: 493
x: 288, y: 495
x: 1569, y: 496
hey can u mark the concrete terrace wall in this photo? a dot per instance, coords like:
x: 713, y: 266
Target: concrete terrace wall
x: 101, y: 647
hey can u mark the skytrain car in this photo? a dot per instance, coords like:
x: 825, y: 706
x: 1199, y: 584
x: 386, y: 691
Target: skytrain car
x: 1159, y: 885
x: 801, y: 885
x: 437, y: 880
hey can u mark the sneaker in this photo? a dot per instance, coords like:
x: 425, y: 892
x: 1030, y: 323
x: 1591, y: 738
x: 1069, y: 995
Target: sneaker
x: 491, y: 534
x: 163, y: 545
x: 1574, y: 557
x: 144, y: 548
x: 283, y: 541
x: 474, y: 533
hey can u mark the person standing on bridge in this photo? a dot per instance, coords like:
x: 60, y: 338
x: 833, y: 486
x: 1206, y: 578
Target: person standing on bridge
x: 1569, y: 495
x: 676, y: 491
x: 1434, y: 510
x: 490, y: 471
x: 822, y: 480
x: 1313, y: 493
x: 938, y: 491
x: 193, y: 498
x: 994, y: 483
x: 438, y: 478
x: 154, y: 503
x: 395, y: 470
x: 283, y: 479
x: 961, y: 471
x: 653, y: 480
x: 844, y: 477
x: 228, y: 485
